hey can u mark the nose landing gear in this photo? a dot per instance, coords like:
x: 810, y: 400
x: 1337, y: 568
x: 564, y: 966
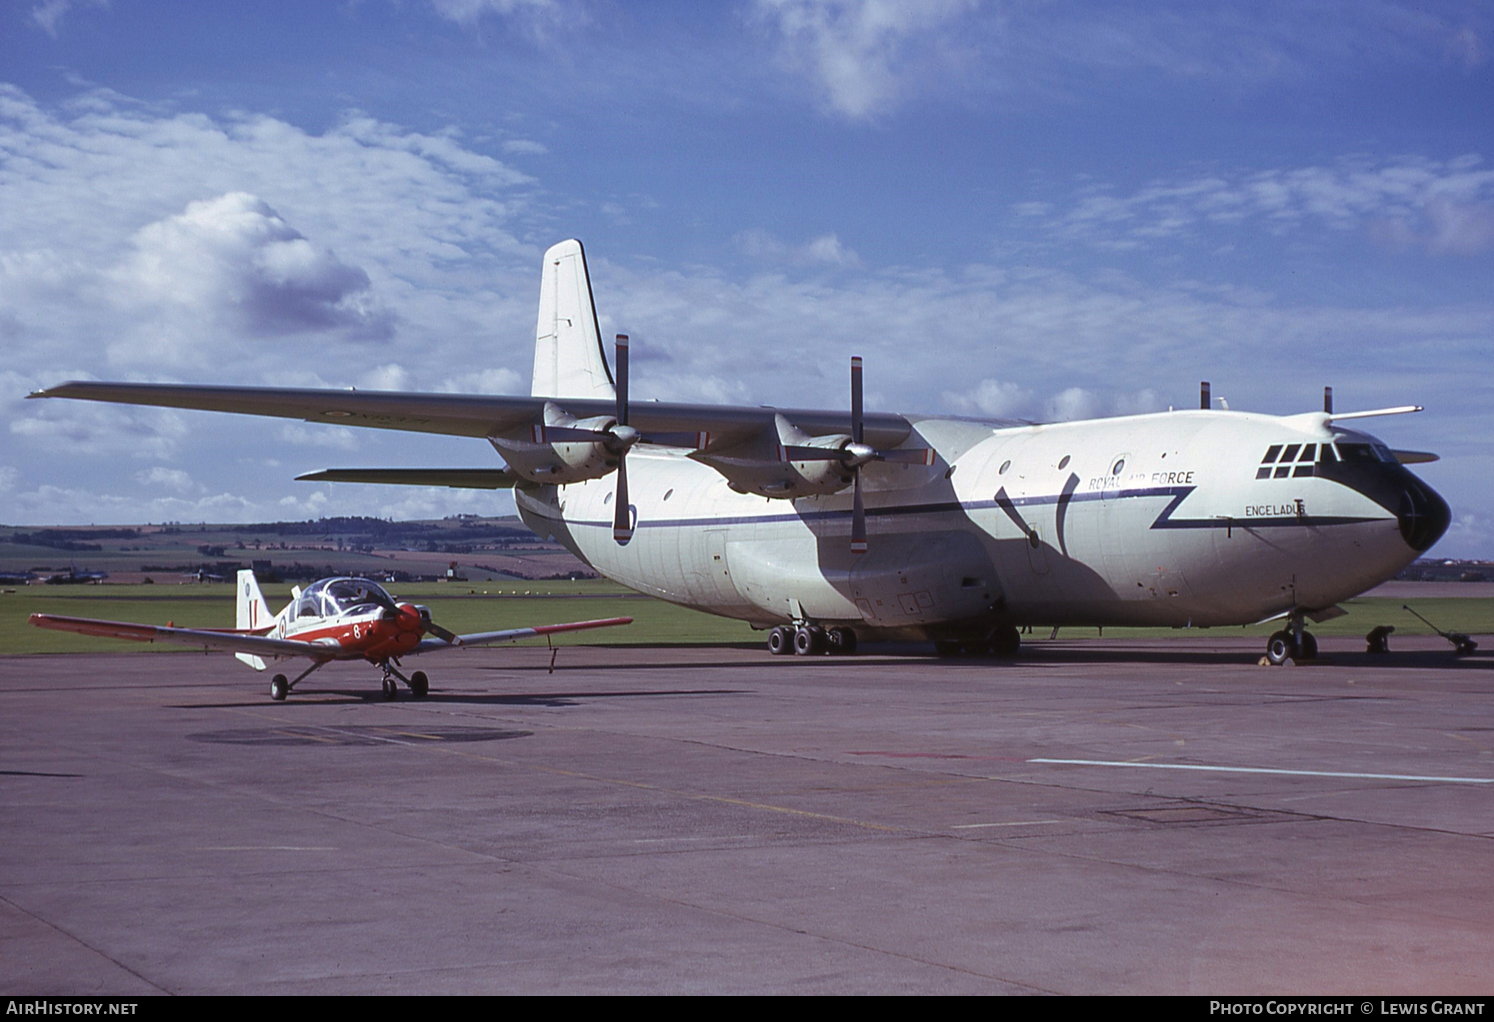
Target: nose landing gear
x: 419, y: 684
x: 1292, y: 643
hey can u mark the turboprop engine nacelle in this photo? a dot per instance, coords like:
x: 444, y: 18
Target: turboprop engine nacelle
x: 566, y: 449
x: 765, y: 465
x: 785, y: 479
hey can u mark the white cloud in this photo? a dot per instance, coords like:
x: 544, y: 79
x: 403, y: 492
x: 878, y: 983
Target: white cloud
x: 91, y: 431
x: 231, y: 266
x: 1441, y: 206
x: 825, y: 250
x: 865, y: 56
x: 525, y: 147
x: 334, y: 437
x: 166, y: 238
x: 537, y: 18
x: 161, y: 477
x: 48, y: 14
x: 997, y: 399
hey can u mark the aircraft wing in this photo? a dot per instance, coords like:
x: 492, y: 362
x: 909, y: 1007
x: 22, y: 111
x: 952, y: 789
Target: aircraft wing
x: 474, y: 415
x: 205, y: 638
x: 455, y: 478
x: 510, y: 634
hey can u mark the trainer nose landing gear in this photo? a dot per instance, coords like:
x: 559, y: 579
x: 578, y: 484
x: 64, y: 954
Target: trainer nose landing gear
x: 811, y: 640
x: 1292, y: 643
x: 418, y: 683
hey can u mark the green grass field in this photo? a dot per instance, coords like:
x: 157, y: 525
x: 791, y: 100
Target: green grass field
x: 461, y: 608
x: 471, y: 607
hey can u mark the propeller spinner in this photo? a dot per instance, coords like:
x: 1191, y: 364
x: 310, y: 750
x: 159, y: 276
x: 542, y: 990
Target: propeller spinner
x: 854, y: 455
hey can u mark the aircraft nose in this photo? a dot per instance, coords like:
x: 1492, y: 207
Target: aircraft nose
x: 1422, y: 514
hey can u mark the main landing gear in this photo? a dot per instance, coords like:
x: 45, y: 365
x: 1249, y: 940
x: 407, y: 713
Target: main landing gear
x: 811, y: 640
x: 280, y: 687
x: 1291, y: 643
x: 419, y: 684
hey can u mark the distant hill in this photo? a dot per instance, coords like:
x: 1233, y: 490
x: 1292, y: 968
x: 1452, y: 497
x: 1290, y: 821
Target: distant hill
x: 471, y: 546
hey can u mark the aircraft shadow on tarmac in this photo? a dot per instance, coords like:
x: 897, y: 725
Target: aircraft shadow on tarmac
x: 335, y: 697
x: 356, y: 735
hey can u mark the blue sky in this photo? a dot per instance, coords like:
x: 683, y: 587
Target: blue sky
x: 1039, y: 209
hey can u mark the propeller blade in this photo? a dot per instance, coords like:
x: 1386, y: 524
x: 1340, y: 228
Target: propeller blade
x: 622, y: 519
x: 858, y: 506
x: 383, y: 599
x: 856, y: 431
x: 442, y: 633
x: 620, y: 356
x: 858, y: 518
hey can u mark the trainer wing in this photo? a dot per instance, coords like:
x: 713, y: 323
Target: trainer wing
x: 511, y: 634
x: 204, y: 638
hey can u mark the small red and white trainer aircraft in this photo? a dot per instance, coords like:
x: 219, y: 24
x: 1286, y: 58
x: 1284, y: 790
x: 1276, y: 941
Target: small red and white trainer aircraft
x: 332, y: 619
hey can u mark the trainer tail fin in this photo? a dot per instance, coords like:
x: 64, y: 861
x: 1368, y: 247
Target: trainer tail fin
x: 251, y: 611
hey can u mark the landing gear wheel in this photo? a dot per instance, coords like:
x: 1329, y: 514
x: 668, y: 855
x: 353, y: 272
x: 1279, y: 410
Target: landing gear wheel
x: 279, y: 688
x: 391, y: 688
x: 1309, y: 647
x: 419, y: 684
x: 1281, y: 647
x: 947, y: 648
x: 840, y: 641
x: 809, y: 640
x: 781, y: 641
x: 1006, y: 641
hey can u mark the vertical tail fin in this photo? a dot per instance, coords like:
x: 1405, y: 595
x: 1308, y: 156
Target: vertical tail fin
x: 568, y: 357
x: 250, y: 611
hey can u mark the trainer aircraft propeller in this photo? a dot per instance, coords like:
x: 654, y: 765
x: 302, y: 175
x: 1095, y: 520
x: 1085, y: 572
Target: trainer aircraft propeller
x: 332, y: 619
x: 821, y: 526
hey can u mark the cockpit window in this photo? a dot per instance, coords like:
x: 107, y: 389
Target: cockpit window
x: 1284, y: 461
x: 1357, y: 452
x: 333, y: 597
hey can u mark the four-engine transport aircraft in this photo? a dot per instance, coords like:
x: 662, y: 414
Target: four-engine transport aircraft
x: 823, y: 526
x: 332, y: 619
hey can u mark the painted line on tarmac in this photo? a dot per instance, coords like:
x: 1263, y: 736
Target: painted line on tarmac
x: 1266, y: 770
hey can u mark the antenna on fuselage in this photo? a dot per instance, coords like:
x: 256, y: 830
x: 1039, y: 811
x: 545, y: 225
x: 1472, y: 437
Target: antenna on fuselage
x: 1205, y: 395
x: 1328, y: 400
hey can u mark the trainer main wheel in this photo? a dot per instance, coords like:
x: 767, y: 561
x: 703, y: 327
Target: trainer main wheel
x: 419, y: 684
x: 279, y: 688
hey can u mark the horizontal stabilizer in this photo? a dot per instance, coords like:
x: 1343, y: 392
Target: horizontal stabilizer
x: 456, y: 478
